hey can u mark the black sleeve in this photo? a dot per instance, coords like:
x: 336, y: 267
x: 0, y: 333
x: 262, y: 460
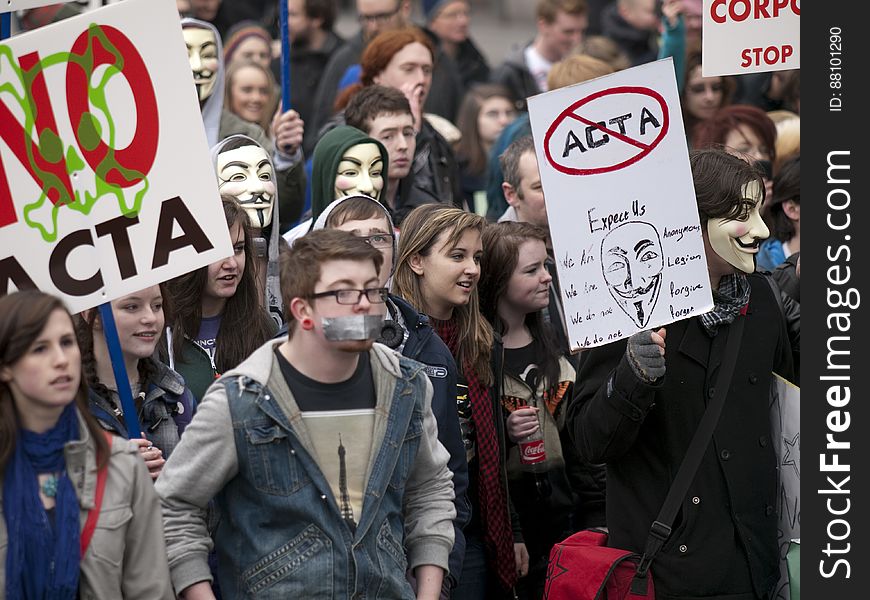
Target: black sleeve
x: 609, y: 406
x: 291, y: 195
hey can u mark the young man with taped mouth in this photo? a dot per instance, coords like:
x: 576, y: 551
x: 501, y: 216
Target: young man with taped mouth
x: 320, y: 449
x: 410, y: 333
x: 639, y: 401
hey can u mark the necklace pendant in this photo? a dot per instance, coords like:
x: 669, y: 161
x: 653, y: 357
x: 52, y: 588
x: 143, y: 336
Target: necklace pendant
x: 49, y: 486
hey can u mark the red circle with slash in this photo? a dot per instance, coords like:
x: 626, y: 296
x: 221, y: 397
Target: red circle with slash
x: 644, y: 148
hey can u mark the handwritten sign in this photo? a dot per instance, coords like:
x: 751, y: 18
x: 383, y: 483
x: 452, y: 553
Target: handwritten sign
x: 106, y: 186
x: 785, y: 421
x: 620, y: 203
x: 750, y: 36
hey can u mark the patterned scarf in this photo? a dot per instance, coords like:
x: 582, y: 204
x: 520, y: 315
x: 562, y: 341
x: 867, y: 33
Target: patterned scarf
x: 41, y: 562
x: 492, y: 504
x: 728, y: 301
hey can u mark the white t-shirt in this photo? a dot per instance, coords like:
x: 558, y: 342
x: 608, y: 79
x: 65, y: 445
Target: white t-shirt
x: 538, y: 66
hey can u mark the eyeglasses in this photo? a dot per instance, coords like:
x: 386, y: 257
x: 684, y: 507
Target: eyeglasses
x: 354, y: 297
x: 379, y: 240
x: 379, y: 17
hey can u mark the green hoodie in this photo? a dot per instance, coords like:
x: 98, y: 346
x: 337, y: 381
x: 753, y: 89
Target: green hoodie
x: 327, y: 156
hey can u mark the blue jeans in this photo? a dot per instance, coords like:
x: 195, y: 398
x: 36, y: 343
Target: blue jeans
x: 472, y: 582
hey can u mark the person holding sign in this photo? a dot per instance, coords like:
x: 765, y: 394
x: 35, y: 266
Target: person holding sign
x: 165, y: 405
x: 562, y: 492
x: 437, y: 273
x: 80, y: 516
x: 205, y: 54
x: 639, y: 402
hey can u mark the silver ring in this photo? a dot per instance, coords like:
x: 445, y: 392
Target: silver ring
x: 149, y: 448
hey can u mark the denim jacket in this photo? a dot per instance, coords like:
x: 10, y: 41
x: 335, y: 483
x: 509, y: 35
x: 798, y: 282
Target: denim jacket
x: 281, y: 533
x: 165, y: 412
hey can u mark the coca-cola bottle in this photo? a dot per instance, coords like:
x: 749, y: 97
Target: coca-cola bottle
x: 533, y: 460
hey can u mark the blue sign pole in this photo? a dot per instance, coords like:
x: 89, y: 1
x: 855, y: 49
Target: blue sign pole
x: 131, y: 417
x: 5, y: 25
x: 285, y: 58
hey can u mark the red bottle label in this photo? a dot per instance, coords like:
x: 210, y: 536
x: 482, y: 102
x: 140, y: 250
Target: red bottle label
x: 532, y: 452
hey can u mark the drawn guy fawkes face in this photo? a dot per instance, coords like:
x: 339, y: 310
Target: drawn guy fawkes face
x: 632, y: 263
x: 246, y: 174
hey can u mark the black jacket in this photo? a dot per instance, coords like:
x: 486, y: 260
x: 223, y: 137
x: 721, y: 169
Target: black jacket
x: 724, y: 540
x: 640, y: 45
x: 424, y: 345
x: 306, y: 71
x: 434, y: 176
x: 515, y: 76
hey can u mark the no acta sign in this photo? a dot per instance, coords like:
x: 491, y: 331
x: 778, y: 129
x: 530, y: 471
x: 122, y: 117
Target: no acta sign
x: 607, y: 131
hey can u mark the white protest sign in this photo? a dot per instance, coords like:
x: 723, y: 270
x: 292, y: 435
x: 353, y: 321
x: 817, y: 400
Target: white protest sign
x: 620, y: 204
x: 750, y: 36
x: 785, y: 431
x: 106, y: 185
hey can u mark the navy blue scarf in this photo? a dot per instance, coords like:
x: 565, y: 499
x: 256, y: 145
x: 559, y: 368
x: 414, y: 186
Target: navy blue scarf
x: 42, y: 563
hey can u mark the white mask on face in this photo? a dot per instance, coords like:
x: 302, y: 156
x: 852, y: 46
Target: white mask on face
x: 202, y: 52
x: 360, y: 171
x: 738, y: 241
x: 246, y: 174
x: 632, y: 261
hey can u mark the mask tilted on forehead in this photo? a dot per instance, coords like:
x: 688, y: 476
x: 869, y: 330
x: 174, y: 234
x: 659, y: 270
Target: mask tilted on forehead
x: 632, y: 263
x: 737, y: 241
x: 202, y: 52
x: 360, y: 171
x: 246, y: 174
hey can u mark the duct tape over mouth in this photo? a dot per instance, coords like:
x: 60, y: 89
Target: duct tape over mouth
x: 353, y: 328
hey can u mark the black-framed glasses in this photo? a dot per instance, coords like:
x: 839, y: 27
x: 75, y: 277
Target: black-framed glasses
x: 380, y: 17
x: 353, y: 297
x: 379, y: 240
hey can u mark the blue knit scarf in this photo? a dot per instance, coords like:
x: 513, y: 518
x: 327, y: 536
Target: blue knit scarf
x: 42, y: 563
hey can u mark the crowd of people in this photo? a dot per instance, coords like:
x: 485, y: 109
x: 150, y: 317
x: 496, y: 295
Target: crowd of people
x: 338, y: 408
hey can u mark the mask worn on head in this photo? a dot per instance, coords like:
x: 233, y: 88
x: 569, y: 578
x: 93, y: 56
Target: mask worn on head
x: 354, y: 328
x: 202, y: 52
x: 632, y: 263
x: 737, y: 242
x: 246, y: 174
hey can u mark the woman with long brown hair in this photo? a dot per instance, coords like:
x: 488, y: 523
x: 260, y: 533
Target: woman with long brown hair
x: 218, y: 319
x: 437, y: 271
x: 561, y: 494
x: 61, y: 473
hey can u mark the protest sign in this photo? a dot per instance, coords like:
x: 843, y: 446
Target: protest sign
x: 785, y: 431
x: 750, y: 36
x: 16, y: 5
x: 106, y: 185
x: 620, y: 203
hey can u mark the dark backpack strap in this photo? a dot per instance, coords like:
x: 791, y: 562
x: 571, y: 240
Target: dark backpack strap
x: 661, y: 527
x: 94, y: 513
